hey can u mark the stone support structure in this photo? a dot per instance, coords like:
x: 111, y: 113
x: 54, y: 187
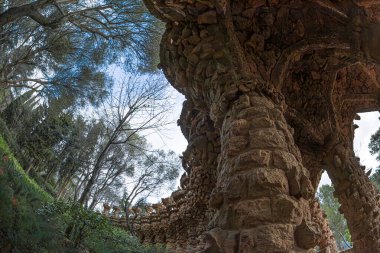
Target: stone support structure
x: 262, y: 191
x: 271, y: 88
x: 326, y: 242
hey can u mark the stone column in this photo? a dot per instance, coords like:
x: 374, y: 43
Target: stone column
x: 171, y: 227
x: 262, y: 190
x: 315, y: 165
x: 106, y: 209
x: 231, y: 59
x: 326, y: 242
x: 360, y: 201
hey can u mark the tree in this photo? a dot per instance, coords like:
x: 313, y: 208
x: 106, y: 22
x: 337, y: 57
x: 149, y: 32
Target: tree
x: 337, y: 222
x: 374, y: 149
x: 375, y: 178
x: 374, y: 145
x: 55, y: 47
x: 36, y: 129
x: 147, y: 175
x: 86, y: 159
x: 154, y: 172
x: 139, y: 104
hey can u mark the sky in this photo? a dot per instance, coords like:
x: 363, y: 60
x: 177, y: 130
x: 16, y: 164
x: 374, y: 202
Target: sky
x: 172, y: 139
x: 368, y: 124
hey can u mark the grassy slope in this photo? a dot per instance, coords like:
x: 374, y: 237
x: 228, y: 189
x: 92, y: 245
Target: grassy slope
x: 25, y: 180
x: 23, y: 229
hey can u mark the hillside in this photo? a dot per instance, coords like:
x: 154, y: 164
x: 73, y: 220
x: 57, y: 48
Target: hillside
x: 32, y: 221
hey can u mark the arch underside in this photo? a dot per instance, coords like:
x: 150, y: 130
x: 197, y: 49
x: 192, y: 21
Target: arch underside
x: 272, y: 89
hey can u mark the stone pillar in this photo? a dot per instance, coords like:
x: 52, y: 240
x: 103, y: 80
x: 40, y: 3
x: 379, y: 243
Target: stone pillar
x: 199, y: 161
x: 235, y: 60
x: 326, y: 241
x: 359, y: 199
x: 315, y: 165
x: 106, y: 209
x: 262, y: 191
x: 116, y: 212
x: 171, y: 233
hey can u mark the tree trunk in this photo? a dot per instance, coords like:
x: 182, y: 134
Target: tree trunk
x: 63, y: 188
x: 28, y: 10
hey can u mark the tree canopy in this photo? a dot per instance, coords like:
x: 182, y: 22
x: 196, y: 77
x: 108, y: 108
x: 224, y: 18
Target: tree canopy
x: 57, y: 47
x: 337, y: 222
x: 79, y: 91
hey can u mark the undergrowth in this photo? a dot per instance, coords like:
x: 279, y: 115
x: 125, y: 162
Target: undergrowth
x: 32, y: 221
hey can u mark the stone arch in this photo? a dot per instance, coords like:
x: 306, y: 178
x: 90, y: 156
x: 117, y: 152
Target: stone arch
x: 278, y: 80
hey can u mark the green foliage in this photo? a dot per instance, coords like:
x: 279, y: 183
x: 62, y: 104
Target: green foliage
x: 21, y: 230
x: 374, y: 149
x: 115, y: 240
x: 18, y: 175
x: 92, y: 230
x: 374, y: 145
x: 375, y: 178
x: 31, y: 221
x: 337, y: 222
x: 50, y: 66
x: 71, y: 50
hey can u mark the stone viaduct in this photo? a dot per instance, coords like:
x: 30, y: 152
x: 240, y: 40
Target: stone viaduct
x: 272, y: 88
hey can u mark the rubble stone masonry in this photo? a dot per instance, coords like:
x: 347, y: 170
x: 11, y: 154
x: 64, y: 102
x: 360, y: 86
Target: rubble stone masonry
x: 272, y: 88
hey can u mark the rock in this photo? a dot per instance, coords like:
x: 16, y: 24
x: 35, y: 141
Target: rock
x: 307, y: 234
x: 208, y: 18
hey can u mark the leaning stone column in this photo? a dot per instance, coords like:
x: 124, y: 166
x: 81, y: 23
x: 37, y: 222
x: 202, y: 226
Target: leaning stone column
x: 314, y: 165
x: 228, y: 57
x: 326, y: 242
x: 360, y: 202
x: 262, y: 190
x: 199, y: 161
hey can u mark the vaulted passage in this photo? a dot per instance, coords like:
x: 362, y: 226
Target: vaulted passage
x: 272, y: 89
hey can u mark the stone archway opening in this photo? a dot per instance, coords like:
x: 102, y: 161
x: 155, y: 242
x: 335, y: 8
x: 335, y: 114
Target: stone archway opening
x: 366, y: 124
x: 271, y: 89
x: 335, y: 234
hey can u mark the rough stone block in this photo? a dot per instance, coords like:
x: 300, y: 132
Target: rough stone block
x: 267, y: 182
x: 239, y: 127
x: 252, y: 159
x: 273, y: 238
x: 218, y: 240
x: 267, y: 138
x: 284, y: 160
x: 242, y: 103
x: 261, y: 122
x: 307, y: 234
x: 236, y: 188
x: 252, y: 112
x: 235, y: 145
x: 246, y: 242
x: 208, y: 18
x: 262, y: 101
x: 250, y: 213
x: 286, y: 209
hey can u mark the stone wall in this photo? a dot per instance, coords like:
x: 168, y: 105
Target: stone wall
x: 271, y: 88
